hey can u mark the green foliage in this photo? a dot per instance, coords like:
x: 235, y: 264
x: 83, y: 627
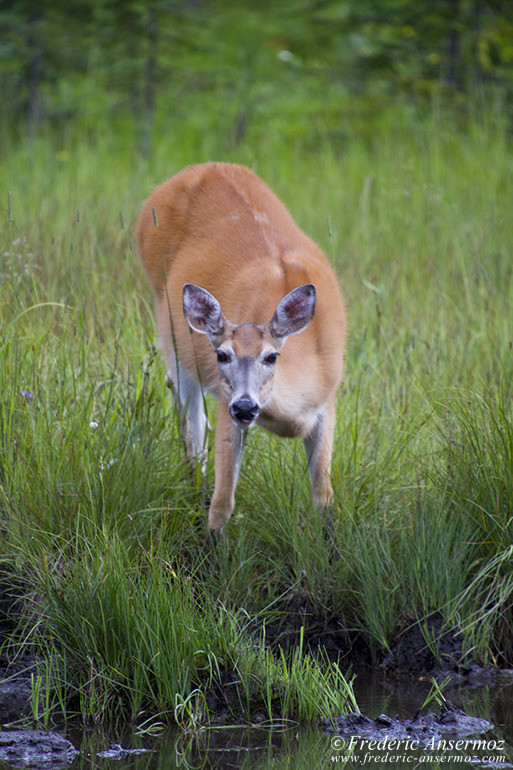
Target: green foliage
x: 133, y: 634
x: 255, y: 68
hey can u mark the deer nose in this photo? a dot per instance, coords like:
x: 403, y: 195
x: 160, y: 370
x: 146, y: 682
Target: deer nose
x: 244, y: 410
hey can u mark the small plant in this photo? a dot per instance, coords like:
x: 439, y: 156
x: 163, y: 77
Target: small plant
x: 40, y: 699
x: 435, y: 694
x: 313, y: 688
x: 150, y: 726
x: 191, y: 712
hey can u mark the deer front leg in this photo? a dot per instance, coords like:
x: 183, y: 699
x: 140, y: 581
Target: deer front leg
x: 228, y: 450
x: 188, y: 397
x: 319, y: 448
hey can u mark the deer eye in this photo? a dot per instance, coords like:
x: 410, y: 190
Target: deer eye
x: 222, y: 357
x: 270, y: 359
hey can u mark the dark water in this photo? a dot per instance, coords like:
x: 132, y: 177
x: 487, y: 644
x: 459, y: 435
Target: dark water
x: 293, y: 747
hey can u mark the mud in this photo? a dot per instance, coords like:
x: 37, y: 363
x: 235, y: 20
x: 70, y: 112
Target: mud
x: 14, y: 697
x: 428, y: 651
x: 423, y: 730
x: 35, y: 748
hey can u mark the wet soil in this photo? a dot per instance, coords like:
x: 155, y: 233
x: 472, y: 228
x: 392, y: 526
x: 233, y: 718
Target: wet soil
x: 422, y: 729
x: 36, y: 748
x: 15, y: 669
x: 427, y: 650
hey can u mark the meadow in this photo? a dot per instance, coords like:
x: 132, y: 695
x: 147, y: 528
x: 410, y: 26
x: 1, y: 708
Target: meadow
x: 102, y: 521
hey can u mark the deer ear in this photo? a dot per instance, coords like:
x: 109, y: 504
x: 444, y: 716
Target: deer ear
x: 294, y: 311
x: 202, y: 311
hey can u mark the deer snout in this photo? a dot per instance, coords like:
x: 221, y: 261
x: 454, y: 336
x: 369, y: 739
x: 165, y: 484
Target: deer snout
x: 244, y: 411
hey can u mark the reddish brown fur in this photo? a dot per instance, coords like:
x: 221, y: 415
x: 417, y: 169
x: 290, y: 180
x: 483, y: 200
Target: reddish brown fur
x: 220, y: 227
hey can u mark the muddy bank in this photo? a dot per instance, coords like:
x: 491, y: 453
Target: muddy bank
x: 424, y: 730
x: 36, y: 748
x: 415, y: 650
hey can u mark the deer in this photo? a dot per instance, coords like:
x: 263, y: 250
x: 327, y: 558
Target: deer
x: 248, y: 308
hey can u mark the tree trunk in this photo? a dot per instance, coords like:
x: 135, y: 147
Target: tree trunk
x: 35, y: 72
x: 149, y: 79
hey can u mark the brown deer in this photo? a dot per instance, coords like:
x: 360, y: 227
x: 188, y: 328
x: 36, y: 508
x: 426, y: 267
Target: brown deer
x: 226, y: 260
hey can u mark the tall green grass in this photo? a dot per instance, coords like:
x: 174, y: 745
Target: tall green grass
x: 126, y: 633
x: 101, y: 518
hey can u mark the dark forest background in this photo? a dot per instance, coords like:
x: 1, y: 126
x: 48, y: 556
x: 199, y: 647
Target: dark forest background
x: 238, y: 67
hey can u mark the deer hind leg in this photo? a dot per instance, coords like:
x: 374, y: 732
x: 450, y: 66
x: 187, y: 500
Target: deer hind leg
x: 188, y: 395
x: 229, y: 448
x: 319, y: 448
